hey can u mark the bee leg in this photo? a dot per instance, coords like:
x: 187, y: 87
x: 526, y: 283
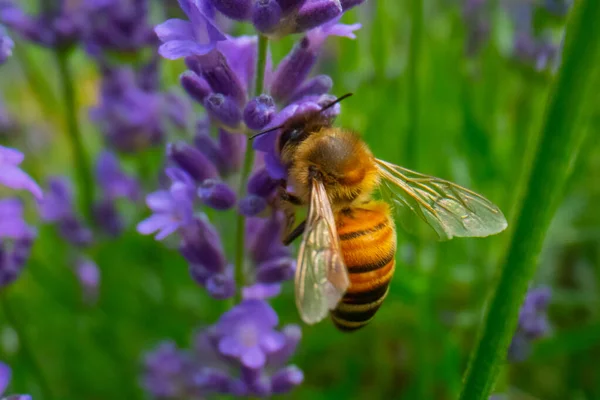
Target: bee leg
x: 295, y: 233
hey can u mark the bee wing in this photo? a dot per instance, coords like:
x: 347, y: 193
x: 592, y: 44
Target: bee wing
x: 321, y: 278
x: 451, y: 210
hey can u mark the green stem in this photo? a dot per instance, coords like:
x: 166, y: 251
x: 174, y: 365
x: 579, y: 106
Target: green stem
x: 81, y: 162
x: 261, y: 62
x: 26, y: 349
x: 559, y: 142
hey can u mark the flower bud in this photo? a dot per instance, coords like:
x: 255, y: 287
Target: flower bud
x: 195, y: 87
x: 276, y: 270
x: 223, y: 109
x: 316, y: 13
x: 286, y: 379
x: 293, y: 70
x: 221, y: 286
x: 316, y: 86
x: 232, y: 146
x: 261, y: 183
x: 209, y: 147
x: 238, y: 10
x: 215, y: 70
x: 259, y: 112
x: 201, y: 245
x: 266, y: 15
x: 216, y: 194
x: 192, y: 161
x: 73, y: 231
x: 252, y: 205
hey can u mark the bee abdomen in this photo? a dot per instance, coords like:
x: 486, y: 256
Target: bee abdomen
x: 368, y: 241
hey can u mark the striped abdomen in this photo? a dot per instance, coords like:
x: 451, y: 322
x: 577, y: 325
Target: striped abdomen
x: 368, y: 240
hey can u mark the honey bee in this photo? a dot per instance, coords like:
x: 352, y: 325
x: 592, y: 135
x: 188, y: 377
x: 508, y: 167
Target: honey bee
x: 347, y: 255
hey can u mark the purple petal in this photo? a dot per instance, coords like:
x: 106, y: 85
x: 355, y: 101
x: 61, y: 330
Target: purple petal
x: 253, y: 358
x: 10, y: 156
x: 175, y: 29
x: 261, y: 291
x: 166, y: 231
x: 15, y: 178
x: 272, y: 341
x: 154, y: 223
x: 5, y: 375
x: 230, y: 346
x: 175, y: 49
x: 160, y: 201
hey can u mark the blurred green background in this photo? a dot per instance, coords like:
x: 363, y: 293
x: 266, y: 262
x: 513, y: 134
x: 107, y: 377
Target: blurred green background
x: 472, y: 120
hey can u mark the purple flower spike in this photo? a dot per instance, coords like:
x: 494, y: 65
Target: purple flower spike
x: 6, y: 45
x: 14, y: 257
x: 113, y: 181
x: 286, y: 379
x: 214, y: 68
x: 261, y: 183
x: 266, y: 15
x: 252, y: 205
x: 12, y: 224
x: 246, y: 333
x: 180, y: 38
x: 240, y: 53
x: 172, y: 210
x: 195, y: 87
x: 223, y: 109
x: 192, y: 161
x: 238, y: 10
x: 201, y: 245
x: 259, y: 112
x: 317, y: 12
x: 209, y: 147
x: 73, y: 231
x: 216, y: 194
x: 292, y: 70
x: 316, y: 86
x: 58, y: 202
x: 165, y: 371
x: 5, y: 375
x: 12, y: 176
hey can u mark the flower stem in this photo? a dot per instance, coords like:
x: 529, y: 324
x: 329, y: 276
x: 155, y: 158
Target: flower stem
x: 26, y: 350
x: 261, y: 62
x: 559, y: 142
x: 81, y: 162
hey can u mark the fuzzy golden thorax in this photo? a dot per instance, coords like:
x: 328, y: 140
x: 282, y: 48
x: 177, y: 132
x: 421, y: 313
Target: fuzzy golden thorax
x: 338, y: 157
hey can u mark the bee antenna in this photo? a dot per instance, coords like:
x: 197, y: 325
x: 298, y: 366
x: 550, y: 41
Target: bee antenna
x: 328, y: 106
x: 336, y: 101
x: 265, y: 131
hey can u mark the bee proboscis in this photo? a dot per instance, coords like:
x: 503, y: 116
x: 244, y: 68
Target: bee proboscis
x: 347, y: 255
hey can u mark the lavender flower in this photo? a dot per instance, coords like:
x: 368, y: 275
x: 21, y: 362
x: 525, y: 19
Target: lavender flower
x: 198, y: 36
x: 12, y: 176
x: 5, y: 375
x: 6, y: 45
x: 16, y: 239
x: 281, y: 17
x: 59, y: 27
x: 57, y: 207
x: 533, y: 323
x: 129, y: 117
x: 173, y: 209
x: 117, y: 25
x: 241, y: 355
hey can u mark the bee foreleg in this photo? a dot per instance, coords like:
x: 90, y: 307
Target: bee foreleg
x: 297, y: 231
